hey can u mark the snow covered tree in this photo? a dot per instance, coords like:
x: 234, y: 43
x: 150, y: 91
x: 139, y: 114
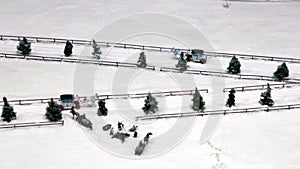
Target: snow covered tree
x: 182, y: 64
x: 97, y: 51
x: 198, y: 103
x: 68, y: 49
x: 24, y: 46
x: 266, y: 97
x: 234, y: 66
x: 102, y: 110
x: 142, y: 60
x: 231, y: 98
x: 150, y: 104
x: 53, y: 111
x: 8, y: 113
x: 281, y: 72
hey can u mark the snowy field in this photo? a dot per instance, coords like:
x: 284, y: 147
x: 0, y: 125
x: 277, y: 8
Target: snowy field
x: 265, y: 140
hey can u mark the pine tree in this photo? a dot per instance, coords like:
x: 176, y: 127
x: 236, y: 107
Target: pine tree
x: 182, y: 64
x: 68, y: 49
x: 150, y: 104
x: 142, y: 60
x: 97, y: 51
x: 24, y: 46
x: 102, y: 110
x: 8, y: 113
x: 53, y: 111
x: 266, y: 97
x: 231, y: 98
x: 198, y: 103
x: 234, y: 66
x: 281, y: 72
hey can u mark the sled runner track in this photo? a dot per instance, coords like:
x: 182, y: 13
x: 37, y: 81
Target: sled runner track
x: 147, y: 47
x: 219, y: 112
x: 226, y: 75
x: 258, y: 87
x: 31, y: 124
x: 113, y: 96
x: 72, y: 60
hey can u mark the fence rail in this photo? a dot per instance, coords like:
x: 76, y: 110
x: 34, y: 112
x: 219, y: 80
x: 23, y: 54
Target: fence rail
x: 224, y: 74
x: 258, y: 87
x: 72, y: 60
x: 219, y: 112
x: 147, y: 47
x: 31, y: 124
x: 111, y: 96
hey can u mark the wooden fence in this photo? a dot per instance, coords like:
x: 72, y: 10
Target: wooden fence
x: 224, y: 74
x: 31, y: 124
x: 258, y: 87
x: 110, y: 96
x: 219, y: 112
x: 156, y: 94
x: 72, y: 60
x: 147, y: 47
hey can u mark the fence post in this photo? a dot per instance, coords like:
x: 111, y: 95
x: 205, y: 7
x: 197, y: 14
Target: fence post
x: 243, y: 89
x: 143, y: 47
x: 20, y: 102
x: 53, y: 40
x: 1, y: 37
x: 62, y: 123
x: 160, y: 49
x: 124, y: 46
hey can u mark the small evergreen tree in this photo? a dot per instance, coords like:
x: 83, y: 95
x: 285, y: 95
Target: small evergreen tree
x: 8, y: 113
x: 102, y: 110
x: 142, y: 60
x: 24, y: 46
x: 266, y: 97
x: 234, y: 66
x: 281, y: 72
x: 150, y: 104
x: 53, y: 111
x: 182, y: 64
x: 68, y: 49
x: 97, y: 51
x: 198, y: 103
x: 231, y: 98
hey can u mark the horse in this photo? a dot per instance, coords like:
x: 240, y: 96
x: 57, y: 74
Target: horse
x: 120, y: 136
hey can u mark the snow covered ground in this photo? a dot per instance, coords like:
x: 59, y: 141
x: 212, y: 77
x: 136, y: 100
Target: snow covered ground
x: 264, y: 140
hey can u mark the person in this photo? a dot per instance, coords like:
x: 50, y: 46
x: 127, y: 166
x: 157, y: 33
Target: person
x: 120, y: 126
x: 135, y: 134
x: 74, y: 113
x: 111, y: 132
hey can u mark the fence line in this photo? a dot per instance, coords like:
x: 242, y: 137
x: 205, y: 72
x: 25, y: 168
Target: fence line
x: 112, y: 96
x: 72, y: 60
x: 31, y: 124
x: 258, y: 87
x: 224, y: 74
x: 147, y: 47
x: 219, y: 112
